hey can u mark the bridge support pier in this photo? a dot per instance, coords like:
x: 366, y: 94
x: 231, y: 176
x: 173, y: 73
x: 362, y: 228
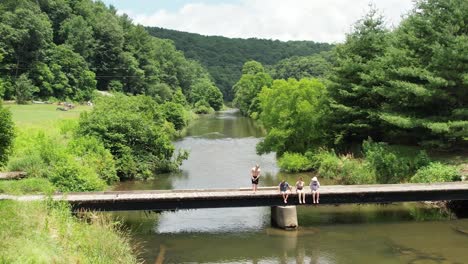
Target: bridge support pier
x: 284, y: 217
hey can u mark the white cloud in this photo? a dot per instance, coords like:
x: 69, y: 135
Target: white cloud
x: 323, y: 21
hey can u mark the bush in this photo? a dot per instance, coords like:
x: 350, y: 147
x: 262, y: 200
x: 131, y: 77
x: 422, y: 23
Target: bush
x: 69, y: 176
x: 175, y: 114
x: 327, y: 163
x: 391, y: 166
x: 294, y: 162
x: 202, y: 107
x: 355, y: 171
x: 134, y: 130
x: 436, y: 172
x: 93, y: 154
x: 6, y: 134
x: 79, y: 165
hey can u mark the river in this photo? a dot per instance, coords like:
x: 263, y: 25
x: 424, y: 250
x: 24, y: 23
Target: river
x: 222, y: 151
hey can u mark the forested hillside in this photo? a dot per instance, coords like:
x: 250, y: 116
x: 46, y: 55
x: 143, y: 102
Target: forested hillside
x: 59, y: 49
x: 224, y: 57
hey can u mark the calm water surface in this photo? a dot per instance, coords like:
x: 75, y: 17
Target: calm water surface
x: 222, y: 151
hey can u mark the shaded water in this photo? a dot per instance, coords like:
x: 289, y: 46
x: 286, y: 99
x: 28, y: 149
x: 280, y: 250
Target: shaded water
x: 222, y: 150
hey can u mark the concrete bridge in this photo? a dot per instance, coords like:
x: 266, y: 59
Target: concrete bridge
x: 267, y: 196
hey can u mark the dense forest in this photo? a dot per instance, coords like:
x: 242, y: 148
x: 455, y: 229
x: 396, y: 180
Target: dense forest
x: 60, y: 49
x: 380, y: 92
x: 224, y: 57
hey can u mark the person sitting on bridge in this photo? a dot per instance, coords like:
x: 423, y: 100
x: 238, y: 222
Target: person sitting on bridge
x: 314, y: 186
x: 283, y: 187
x: 255, y: 175
x: 300, y: 190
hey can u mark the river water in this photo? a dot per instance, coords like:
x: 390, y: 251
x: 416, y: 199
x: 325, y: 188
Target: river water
x: 222, y: 151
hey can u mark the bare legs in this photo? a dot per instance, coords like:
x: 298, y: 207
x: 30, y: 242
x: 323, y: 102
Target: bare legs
x: 299, y: 194
x: 285, y: 197
x: 254, y: 187
x: 315, y: 197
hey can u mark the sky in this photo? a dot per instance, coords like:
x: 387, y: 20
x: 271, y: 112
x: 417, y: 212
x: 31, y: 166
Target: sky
x: 317, y: 20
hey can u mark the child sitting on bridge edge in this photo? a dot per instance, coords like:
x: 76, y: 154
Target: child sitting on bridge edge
x: 314, y: 186
x: 283, y: 187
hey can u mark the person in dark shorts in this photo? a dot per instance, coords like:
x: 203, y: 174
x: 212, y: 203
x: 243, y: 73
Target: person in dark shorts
x: 284, y: 188
x: 255, y: 175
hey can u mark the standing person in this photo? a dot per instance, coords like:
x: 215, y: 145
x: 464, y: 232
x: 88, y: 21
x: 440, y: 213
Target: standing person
x: 255, y: 175
x: 314, y: 187
x: 283, y: 187
x: 300, y: 190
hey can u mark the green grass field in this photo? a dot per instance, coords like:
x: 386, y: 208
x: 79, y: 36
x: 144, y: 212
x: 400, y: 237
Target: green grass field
x: 42, y: 114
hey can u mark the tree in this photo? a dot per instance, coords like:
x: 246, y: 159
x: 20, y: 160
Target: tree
x: 205, y: 90
x: 292, y: 112
x: 175, y: 114
x: 425, y: 84
x: 24, y: 89
x: 135, y: 131
x: 249, y: 86
x: 26, y: 34
x: 314, y: 66
x: 354, y: 99
x: 7, y: 128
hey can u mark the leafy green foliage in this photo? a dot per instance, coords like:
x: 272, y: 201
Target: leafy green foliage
x: 79, y: 165
x: 314, y: 66
x: 24, y: 90
x: 292, y: 111
x: 135, y: 132
x: 7, y: 134
x: 205, y: 90
x: 345, y: 169
x: 27, y: 186
x: 249, y: 86
x: 436, y: 172
x: 353, y: 101
x: 389, y: 166
x: 69, y: 48
x: 294, y: 162
x: 176, y: 114
x: 224, y: 57
x: 202, y: 107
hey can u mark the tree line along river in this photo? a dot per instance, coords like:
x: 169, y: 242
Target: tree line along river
x: 222, y: 151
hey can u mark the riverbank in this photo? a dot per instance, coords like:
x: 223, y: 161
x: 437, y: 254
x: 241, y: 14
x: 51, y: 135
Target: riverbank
x: 47, y: 232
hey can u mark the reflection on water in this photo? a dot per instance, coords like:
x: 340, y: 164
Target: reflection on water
x: 222, y: 151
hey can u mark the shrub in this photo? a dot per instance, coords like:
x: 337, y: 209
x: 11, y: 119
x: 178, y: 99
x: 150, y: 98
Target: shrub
x: 133, y: 129
x: 294, y: 162
x: 69, y: 176
x: 355, y: 171
x: 93, y: 154
x: 391, y: 166
x: 202, y: 107
x: 6, y: 134
x: 328, y: 163
x: 436, y: 172
x: 175, y: 114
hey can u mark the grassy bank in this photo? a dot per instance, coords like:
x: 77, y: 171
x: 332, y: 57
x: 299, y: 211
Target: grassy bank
x: 42, y: 114
x: 56, y: 161
x: 46, y: 232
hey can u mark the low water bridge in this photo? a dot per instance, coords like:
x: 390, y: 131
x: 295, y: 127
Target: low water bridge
x: 282, y: 215
x: 266, y: 196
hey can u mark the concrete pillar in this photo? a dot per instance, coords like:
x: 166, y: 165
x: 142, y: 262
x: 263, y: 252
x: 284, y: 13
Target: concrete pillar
x: 284, y: 217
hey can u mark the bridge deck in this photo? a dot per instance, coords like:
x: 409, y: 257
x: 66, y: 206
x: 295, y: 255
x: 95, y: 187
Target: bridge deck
x: 266, y: 196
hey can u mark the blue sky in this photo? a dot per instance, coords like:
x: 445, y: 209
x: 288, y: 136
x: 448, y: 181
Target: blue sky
x: 317, y: 20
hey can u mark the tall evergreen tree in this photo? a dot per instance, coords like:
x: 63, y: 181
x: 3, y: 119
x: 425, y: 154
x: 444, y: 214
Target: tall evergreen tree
x: 426, y: 83
x: 353, y: 100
